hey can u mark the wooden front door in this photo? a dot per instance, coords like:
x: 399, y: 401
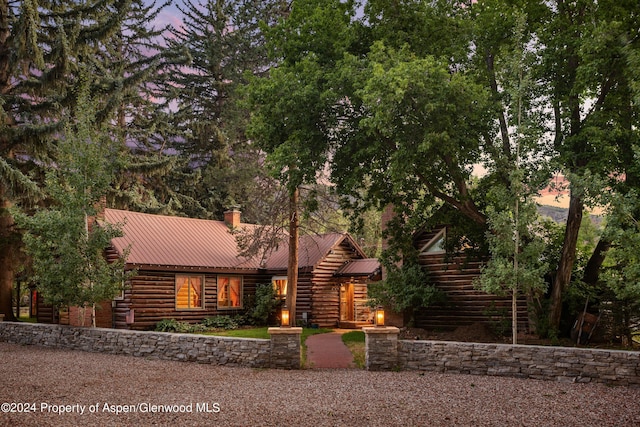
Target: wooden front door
x: 347, y: 312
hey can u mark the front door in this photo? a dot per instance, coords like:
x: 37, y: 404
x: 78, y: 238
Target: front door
x: 346, y: 303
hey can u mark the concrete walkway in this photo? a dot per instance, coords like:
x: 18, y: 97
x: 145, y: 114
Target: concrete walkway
x: 328, y: 351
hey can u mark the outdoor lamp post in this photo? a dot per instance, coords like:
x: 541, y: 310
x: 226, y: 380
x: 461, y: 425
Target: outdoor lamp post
x: 379, y: 316
x: 284, y: 317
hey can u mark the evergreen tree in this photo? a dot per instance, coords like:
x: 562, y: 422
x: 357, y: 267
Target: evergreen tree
x: 225, y: 41
x: 42, y: 44
x: 138, y: 62
x: 63, y: 240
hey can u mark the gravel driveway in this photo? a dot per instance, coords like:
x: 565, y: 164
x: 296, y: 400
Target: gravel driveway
x: 100, y: 389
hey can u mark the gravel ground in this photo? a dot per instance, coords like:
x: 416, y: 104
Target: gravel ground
x: 46, y: 380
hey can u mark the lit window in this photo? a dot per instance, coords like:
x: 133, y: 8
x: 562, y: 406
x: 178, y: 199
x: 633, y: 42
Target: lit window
x: 280, y: 286
x: 189, y: 292
x: 229, y: 292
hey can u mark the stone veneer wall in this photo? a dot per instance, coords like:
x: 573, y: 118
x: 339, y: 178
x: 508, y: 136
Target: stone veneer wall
x: 255, y: 353
x: 285, y: 347
x: 381, y: 348
x: 567, y: 364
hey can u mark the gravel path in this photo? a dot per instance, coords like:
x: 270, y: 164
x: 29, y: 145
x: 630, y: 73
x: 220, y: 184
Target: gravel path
x: 44, y: 379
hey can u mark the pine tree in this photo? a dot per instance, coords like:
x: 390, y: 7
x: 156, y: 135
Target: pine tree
x: 225, y: 41
x: 64, y: 241
x: 137, y: 62
x: 43, y: 45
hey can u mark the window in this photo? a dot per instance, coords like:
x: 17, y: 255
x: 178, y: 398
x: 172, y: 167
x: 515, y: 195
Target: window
x: 436, y: 244
x: 280, y: 286
x: 229, y: 292
x: 189, y: 292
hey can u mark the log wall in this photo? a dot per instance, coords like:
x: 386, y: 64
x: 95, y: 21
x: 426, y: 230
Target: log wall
x: 464, y: 304
x: 325, y: 292
x: 151, y: 296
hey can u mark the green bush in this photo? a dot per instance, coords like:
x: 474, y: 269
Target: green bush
x: 405, y: 290
x: 220, y: 322
x: 172, y: 325
x: 167, y: 325
x: 266, y: 304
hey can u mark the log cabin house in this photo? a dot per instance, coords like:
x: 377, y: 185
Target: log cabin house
x: 190, y: 269
x: 454, y: 275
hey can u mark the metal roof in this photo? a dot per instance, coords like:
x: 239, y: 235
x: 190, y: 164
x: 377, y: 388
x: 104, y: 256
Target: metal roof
x: 177, y: 241
x: 171, y: 241
x: 313, y: 248
x: 359, y: 267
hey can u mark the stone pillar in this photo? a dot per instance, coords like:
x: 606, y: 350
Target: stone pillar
x: 285, y: 348
x: 381, y: 348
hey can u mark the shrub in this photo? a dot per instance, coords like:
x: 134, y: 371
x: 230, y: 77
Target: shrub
x: 405, y: 290
x: 266, y: 303
x: 172, y: 325
x: 220, y: 322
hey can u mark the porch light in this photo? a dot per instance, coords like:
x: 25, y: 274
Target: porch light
x: 284, y: 317
x: 379, y: 316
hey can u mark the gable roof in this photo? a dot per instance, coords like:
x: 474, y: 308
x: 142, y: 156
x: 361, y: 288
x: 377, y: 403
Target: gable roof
x: 360, y: 267
x: 159, y: 240
x: 313, y: 248
x: 171, y: 241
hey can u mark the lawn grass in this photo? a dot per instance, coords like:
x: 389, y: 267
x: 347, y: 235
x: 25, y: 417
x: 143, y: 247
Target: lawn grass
x: 262, y: 333
x: 242, y: 333
x: 354, y: 341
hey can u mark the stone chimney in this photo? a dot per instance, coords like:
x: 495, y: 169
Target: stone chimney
x: 232, y: 217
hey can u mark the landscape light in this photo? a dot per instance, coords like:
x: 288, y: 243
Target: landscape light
x: 379, y: 316
x: 284, y: 317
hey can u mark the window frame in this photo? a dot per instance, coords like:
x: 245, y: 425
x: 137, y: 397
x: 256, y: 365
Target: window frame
x: 241, y: 291
x: 273, y: 284
x: 440, y: 236
x: 202, y: 292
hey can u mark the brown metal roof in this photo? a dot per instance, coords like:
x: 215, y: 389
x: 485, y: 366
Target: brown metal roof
x: 313, y: 248
x: 160, y: 240
x: 359, y: 267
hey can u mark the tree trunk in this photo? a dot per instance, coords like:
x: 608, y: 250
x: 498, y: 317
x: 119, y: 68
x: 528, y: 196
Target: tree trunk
x: 592, y: 269
x: 7, y: 260
x: 292, y: 269
x: 567, y: 259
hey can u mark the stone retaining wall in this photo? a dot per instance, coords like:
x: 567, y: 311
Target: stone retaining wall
x: 567, y: 364
x: 285, y: 347
x: 255, y: 353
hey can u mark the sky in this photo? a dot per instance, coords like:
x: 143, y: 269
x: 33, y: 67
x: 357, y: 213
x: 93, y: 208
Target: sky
x: 170, y: 15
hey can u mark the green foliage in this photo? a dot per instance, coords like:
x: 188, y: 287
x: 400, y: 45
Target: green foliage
x: 67, y: 250
x: 217, y: 164
x: 172, y: 325
x: 266, y: 304
x: 220, y: 322
x: 499, y: 275
x: 289, y: 106
x: 622, y: 272
x: 405, y: 290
